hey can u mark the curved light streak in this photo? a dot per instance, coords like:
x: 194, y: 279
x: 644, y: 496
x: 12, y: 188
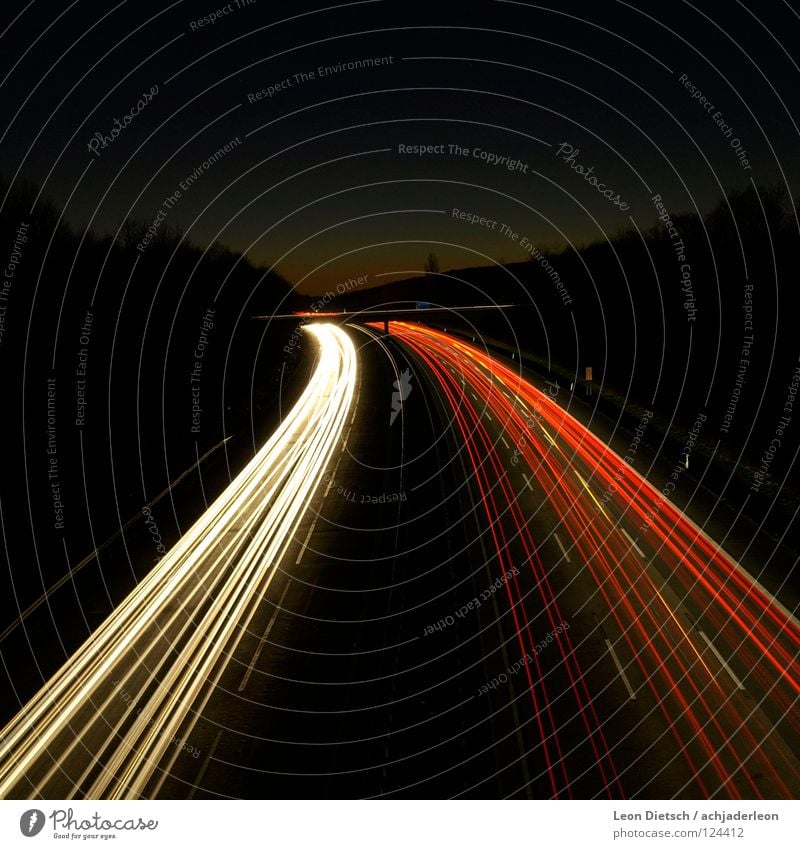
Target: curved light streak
x: 727, y: 741
x: 169, y: 641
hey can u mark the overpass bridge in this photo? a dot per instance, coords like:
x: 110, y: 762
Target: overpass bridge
x: 370, y: 314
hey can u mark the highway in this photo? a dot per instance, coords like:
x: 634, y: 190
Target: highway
x: 680, y: 666
x: 120, y: 711
x: 432, y: 581
x: 343, y: 687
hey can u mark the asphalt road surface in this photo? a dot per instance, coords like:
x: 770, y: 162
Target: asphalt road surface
x: 431, y: 582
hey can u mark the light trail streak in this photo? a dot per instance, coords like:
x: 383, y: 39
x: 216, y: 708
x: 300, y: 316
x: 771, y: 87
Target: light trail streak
x: 499, y: 499
x: 169, y: 641
x: 728, y: 744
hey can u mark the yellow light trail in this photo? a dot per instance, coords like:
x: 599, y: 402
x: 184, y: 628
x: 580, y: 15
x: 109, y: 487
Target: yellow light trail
x: 171, y: 638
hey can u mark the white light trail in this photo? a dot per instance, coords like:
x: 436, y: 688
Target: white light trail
x: 169, y: 641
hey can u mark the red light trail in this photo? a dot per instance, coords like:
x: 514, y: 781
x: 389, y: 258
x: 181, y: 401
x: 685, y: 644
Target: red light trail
x: 721, y: 720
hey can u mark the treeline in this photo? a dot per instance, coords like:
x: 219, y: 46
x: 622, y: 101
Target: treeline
x: 684, y: 297
x: 692, y: 315
x: 121, y: 366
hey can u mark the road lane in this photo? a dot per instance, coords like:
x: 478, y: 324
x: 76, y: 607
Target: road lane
x: 359, y: 691
x: 126, y: 701
x: 655, y: 587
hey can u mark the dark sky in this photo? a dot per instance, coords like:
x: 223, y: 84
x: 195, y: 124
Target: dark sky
x: 317, y: 183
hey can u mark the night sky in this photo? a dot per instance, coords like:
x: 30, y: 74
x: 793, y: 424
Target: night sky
x: 687, y: 101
